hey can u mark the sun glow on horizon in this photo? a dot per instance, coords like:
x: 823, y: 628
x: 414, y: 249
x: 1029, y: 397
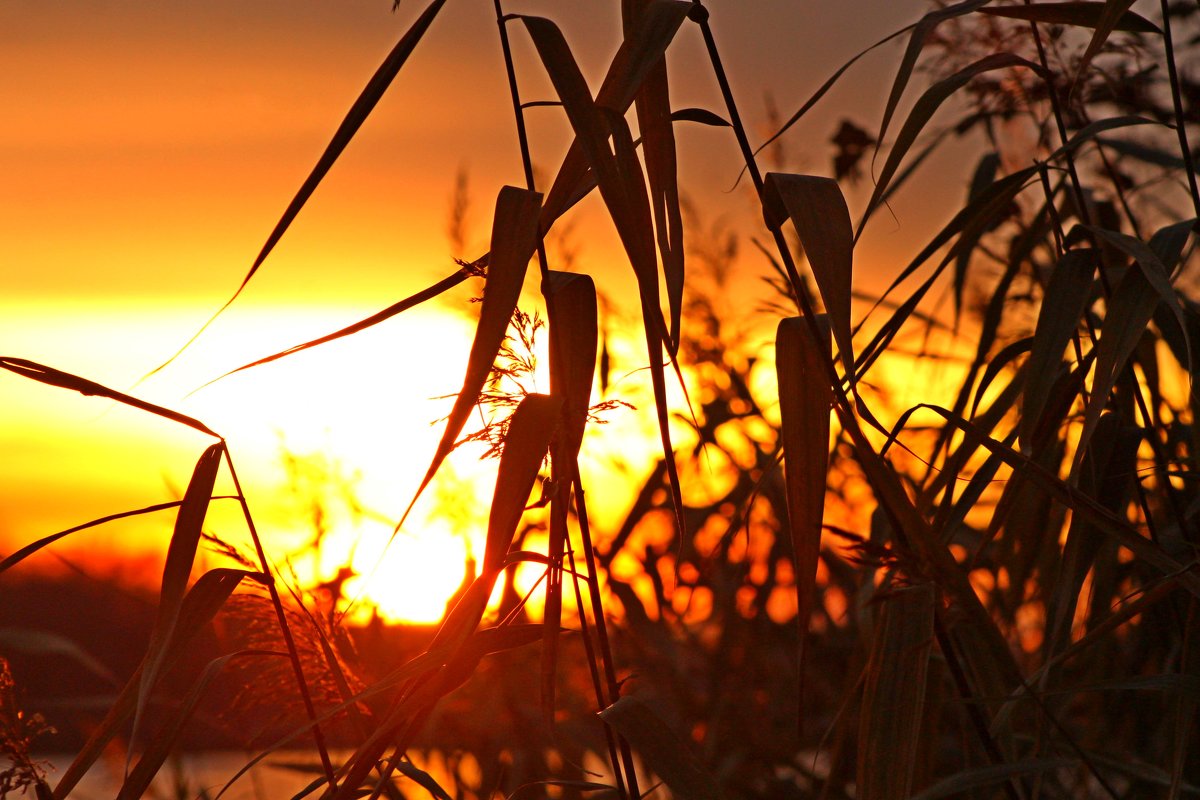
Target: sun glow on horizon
x: 330, y: 445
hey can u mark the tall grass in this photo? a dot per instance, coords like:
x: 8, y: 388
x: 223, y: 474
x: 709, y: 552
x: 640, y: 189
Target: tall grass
x: 1016, y: 616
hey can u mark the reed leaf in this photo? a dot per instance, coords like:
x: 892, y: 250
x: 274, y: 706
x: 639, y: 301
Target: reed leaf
x: 1187, y: 698
x: 1130, y: 309
x: 664, y: 753
x: 33, y: 547
x: 1109, y: 18
x: 642, y: 47
x: 1107, y: 474
x: 181, y: 554
x: 354, y: 119
x: 445, y: 284
x: 514, y: 237
x: 985, y: 649
x: 533, y: 424
x: 1081, y: 14
x: 975, y: 217
x: 574, y: 332
x: 701, y: 116
x: 618, y: 174
x: 960, y: 783
x: 920, y: 32
x: 47, y: 643
x: 482, y: 643
x: 818, y: 210
x: 65, y: 380
x: 805, y: 402
x: 203, y: 601
x: 137, y: 782
x: 1066, y: 298
x: 983, y: 177
x: 413, y: 708
x: 1077, y: 501
x: 997, y: 365
x: 923, y: 110
x: 894, y: 694
x: 653, y: 104
x: 1157, y: 260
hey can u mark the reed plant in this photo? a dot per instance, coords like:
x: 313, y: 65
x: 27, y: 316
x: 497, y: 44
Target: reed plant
x: 1003, y: 604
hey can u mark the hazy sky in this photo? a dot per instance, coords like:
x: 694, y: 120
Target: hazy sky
x: 148, y: 149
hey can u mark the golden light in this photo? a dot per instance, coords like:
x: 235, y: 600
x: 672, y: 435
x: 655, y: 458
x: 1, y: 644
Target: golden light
x: 412, y: 580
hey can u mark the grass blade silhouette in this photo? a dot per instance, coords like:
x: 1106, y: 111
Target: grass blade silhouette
x: 805, y: 403
x: 664, y: 753
x: 619, y: 177
x: 1066, y: 298
x: 923, y: 110
x: 445, y: 284
x: 65, y: 380
x: 894, y: 694
x: 1083, y: 14
x: 514, y: 238
x: 818, y: 210
x: 574, y: 333
x: 355, y: 117
x: 181, y: 554
x: 201, y: 604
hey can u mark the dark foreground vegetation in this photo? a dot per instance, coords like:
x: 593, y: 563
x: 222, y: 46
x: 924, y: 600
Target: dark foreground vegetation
x: 990, y: 594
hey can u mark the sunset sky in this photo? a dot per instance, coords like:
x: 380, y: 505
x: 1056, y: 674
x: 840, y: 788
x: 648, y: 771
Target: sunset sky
x: 148, y: 149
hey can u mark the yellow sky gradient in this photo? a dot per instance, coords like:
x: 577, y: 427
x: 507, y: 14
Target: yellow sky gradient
x: 148, y: 149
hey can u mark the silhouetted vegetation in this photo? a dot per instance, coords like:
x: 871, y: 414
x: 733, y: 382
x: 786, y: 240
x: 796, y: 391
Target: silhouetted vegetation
x: 818, y: 592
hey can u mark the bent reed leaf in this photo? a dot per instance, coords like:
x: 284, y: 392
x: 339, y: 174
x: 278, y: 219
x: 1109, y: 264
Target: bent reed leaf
x: 525, y: 447
x: 920, y: 29
x: 33, y: 547
x: 818, y: 209
x: 445, y: 284
x: 699, y: 115
x: 923, y: 110
x: 574, y: 334
x: 641, y: 48
x: 653, y: 105
x: 514, y: 238
x: 618, y: 174
x: 65, y: 380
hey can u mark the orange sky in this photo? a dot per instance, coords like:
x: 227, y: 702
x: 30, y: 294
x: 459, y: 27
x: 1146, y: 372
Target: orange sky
x: 148, y: 149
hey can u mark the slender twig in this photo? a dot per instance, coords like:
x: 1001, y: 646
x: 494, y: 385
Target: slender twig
x: 590, y: 652
x: 610, y: 674
x: 1177, y: 101
x: 1060, y: 122
x: 522, y: 135
x: 285, y: 630
x: 974, y: 713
